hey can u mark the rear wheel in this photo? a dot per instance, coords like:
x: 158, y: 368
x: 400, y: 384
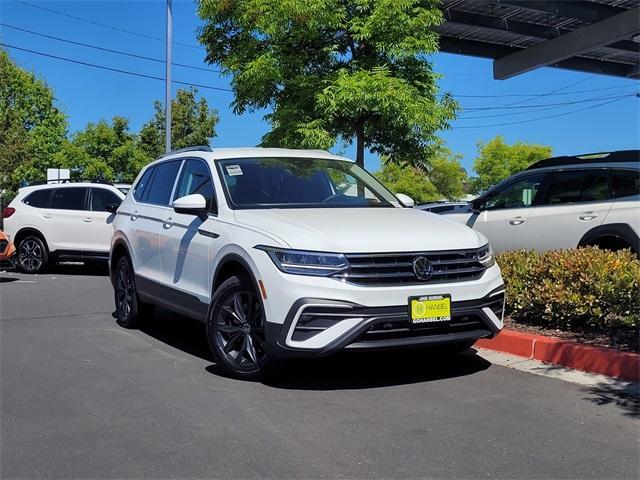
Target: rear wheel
x: 33, y: 256
x: 126, y: 295
x: 236, y: 330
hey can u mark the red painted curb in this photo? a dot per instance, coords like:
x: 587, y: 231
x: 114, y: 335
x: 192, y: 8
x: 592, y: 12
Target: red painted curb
x: 605, y: 361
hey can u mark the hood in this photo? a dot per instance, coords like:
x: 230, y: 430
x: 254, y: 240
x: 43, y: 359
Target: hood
x: 361, y: 230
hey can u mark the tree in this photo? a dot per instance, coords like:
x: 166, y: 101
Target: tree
x: 192, y: 123
x: 407, y: 179
x: 497, y: 160
x: 111, y: 151
x: 32, y: 129
x: 333, y: 70
x: 446, y: 173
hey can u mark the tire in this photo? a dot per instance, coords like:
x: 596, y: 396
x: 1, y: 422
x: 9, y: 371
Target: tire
x: 236, y: 330
x: 125, y: 294
x: 33, y: 256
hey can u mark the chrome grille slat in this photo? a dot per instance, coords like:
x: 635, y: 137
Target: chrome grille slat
x: 380, y: 269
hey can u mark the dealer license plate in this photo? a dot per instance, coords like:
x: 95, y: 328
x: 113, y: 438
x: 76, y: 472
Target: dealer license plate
x: 430, y: 308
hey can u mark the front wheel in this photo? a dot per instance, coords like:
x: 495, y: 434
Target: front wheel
x: 236, y: 330
x: 33, y: 256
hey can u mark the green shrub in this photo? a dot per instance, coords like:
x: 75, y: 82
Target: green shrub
x: 579, y: 290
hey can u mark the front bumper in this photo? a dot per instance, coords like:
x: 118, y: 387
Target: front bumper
x: 8, y: 262
x: 318, y: 327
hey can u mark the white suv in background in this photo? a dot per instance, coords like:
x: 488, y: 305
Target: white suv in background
x: 563, y: 202
x: 61, y: 222
x: 286, y: 253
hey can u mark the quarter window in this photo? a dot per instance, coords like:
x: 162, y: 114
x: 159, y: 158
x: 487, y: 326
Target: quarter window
x: 101, y: 197
x: 195, y: 178
x: 578, y: 186
x: 625, y: 183
x: 519, y: 194
x: 162, y: 183
x: 70, y: 198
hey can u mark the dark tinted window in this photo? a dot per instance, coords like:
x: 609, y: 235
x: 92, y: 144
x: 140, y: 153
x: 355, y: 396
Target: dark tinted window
x: 39, y: 198
x: 578, y: 186
x: 444, y: 208
x: 70, y: 198
x: 101, y: 197
x: 138, y: 190
x: 625, y: 183
x: 519, y: 194
x: 195, y: 178
x: 162, y: 183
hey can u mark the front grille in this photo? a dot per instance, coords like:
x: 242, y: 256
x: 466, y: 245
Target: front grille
x: 3, y: 245
x: 397, y: 268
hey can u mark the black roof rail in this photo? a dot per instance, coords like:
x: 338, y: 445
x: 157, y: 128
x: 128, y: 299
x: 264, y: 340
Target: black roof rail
x: 195, y: 148
x: 588, y: 158
x: 69, y: 180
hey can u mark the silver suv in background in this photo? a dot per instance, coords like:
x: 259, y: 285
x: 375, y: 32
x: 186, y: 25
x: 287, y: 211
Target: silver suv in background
x: 563, y: 202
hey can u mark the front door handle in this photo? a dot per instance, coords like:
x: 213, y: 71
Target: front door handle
x: 87, y: 220
x: 517, y: 221
x: 586, y: 216
x: 167, y: 223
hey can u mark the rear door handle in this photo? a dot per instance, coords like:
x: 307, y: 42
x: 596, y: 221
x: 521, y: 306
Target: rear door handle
x: 87, y: 220
x: 134, y: 216
x: 517, y: 221
x: 46, y: 215
x: 586, y: 216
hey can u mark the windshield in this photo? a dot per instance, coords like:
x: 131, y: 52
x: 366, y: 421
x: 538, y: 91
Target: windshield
x: 300, y: 183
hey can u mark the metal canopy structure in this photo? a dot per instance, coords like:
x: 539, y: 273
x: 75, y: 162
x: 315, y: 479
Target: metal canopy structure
x: 596, y: 36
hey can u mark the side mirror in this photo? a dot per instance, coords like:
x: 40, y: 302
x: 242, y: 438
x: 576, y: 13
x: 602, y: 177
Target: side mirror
x: 476, y: 205
x: 406, y: 200
x: 111, y: 208
x: 191, y: 205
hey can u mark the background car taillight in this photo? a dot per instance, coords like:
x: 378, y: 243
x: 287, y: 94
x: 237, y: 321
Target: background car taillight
x: 7, y: 212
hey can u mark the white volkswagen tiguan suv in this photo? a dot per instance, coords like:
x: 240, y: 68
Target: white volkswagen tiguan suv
x: 286, y: 253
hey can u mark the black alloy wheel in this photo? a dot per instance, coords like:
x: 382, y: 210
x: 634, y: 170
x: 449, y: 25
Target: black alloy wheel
x: 125, y: 294
x: 32, y: 255
x: 236, y: 329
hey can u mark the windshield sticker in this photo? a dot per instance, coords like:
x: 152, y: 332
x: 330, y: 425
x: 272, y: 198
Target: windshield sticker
x: 233, y: 170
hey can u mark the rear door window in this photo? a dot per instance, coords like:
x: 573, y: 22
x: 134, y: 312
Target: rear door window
x: 625, y: 183
x: 101, y: 197
x: 195, y: 178
x: 578, y: 186
x: 69, y: 198
x: 162, y: 182
x: 39, y: 198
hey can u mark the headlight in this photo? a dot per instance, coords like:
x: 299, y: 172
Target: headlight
x: 306, y: 263
x: 486, y: 257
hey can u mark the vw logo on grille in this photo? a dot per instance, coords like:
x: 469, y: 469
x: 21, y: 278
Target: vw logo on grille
x: 422, y: 268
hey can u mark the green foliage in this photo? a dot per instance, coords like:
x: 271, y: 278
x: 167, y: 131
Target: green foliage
x: 438, y: 176
x: 407, y: 179
x: 580, y: 290
x: 192, y: 123
x: 497, y: 160
x: 32, y: 129
x: 333, y: 70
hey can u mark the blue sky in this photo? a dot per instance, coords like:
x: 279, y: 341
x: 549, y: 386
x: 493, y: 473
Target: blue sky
x: 89, y: 94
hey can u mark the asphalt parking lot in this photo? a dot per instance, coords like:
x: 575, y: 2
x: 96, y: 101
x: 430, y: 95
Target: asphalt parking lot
x: 84, y: 398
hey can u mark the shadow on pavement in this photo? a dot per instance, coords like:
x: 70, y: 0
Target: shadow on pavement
x: 8, y: 279
x: 625, y: 395
x: 94, y: 269
x: 361, y: 370
x: 346, y: 370
x: 178, y: 332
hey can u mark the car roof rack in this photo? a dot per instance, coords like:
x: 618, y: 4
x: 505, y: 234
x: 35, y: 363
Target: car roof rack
x: 195, y: 148
x: 69, y: 180
x: 601, y: 157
